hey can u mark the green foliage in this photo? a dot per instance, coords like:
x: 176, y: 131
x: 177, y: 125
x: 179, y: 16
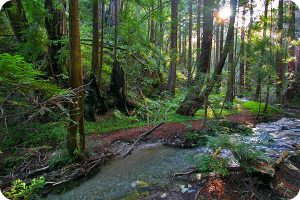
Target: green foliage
x: 253, y: 107
x: 112, y: 124
x: 243, y: 151
x: 33, y: 135
x: 214, y: 128
x: 20, y: 76
x: 208, y: 163
x: 10, y: 162
x: 21, y: 190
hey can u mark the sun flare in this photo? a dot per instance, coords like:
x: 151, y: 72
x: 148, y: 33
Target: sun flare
x: 225, y: 12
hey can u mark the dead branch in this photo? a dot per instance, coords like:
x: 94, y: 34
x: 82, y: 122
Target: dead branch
x: 140, y: 137
x: 38, y: 170
x: 281, y: 159
x: 96, y: 163
x: 178, y: 174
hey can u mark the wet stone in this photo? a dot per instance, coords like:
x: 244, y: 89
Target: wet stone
x: 276, y: 137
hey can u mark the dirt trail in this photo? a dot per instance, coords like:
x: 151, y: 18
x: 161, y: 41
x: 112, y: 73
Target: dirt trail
x: 167, y: 131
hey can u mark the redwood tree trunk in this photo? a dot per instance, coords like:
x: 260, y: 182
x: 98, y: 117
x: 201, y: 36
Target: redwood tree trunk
x: 196, y: 98
x: 279, y: 56
x: 292, y: 87
x: 101, y: 40
x: 117, y: 86
x: 206, y: 46
x: 198, y: 31
x: 190, y: 48
x: 262, y: 59
x: 247, y: 70
x: 93, y: 96
x: 219, y: 82
x: 173, y: 48
x: 56, y: 27
x: 231, y: 76
x: 76, y: 124
x: 242, y: 59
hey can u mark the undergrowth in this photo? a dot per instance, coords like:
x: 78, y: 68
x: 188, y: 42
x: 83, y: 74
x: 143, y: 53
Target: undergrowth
x: 21, y: 190
x: 214, y: 128
x: 244, y: 153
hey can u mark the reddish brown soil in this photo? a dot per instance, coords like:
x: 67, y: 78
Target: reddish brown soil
x: 169, y: 130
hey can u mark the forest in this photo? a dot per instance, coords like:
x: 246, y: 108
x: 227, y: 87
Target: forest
x: 149, y: 99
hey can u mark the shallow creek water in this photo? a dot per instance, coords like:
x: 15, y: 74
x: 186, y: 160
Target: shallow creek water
x: 114, y: 180
x: 154, y: 163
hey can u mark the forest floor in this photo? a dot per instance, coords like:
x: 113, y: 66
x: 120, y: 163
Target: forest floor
x: 102, y: 147
x: 235, y: 186
x: 169, y: 132
x: 286, y: 182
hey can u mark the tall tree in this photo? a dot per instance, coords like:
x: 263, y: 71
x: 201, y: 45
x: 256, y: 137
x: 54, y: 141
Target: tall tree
x: 242, y: 59
x: 161, y: 28
x: 279, y: 56
x: 94, y: 99
x: 206, y: 46
x: 198, y: 31
x: 190, y: 47
x: 117, y: 85
x: 231, y: 75
x: 262, y: 59
x: 195, y: 99
x: 56, y: 28
x: 152, y: 23
x: 101, y: 40
x: 292, y: 86
x: 173, y: 47
x: 76, y: 124
x: 221, y: 43
x: 247, y: 69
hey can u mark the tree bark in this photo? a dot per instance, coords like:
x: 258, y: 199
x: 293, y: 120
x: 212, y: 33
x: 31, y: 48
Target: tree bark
x: 196, y: 97
x: 161, y: 33
x: 231, y: 76
x: 262, y: 59
x: 190, y: 47
x: 173, y: 48
x: 117, y: 86
x: 242, y: 59
x: 101, y: 40
x: 198, y: 32
x: 206, y: 46
x: 217, y: 52
x: 219, y: 82
x: 56, y: 27
x: 292, y: 86
x: 76, y: 124
x: 248, y: 49
x: 152, y: 25
x: 93, y: 97
x: 279, y: 56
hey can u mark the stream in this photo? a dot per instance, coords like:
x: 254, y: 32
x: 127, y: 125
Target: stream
x: 116, y: 179
x: 153, y: 164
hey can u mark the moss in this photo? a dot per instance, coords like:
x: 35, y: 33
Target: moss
x: 112, y: 124
x: 254, y: 107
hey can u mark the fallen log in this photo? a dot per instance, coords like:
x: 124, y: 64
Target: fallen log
x: 140, y: 137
